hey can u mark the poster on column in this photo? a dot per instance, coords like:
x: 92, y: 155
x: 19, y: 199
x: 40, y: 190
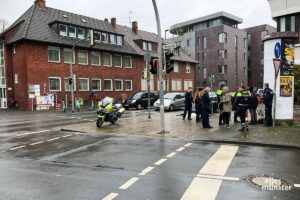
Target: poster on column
x: 286, y: 86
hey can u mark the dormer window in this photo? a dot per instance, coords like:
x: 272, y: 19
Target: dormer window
x: 63, y: 30
x: 147, y: 46
x: 112, y: 39
x: 97, y: 36
x: 104, y: 37
x: 80, y: 33
x: 72, y: 31
x: 119, y: 40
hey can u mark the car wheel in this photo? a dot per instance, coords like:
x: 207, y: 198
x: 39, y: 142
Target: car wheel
x: 171, y: 108
x: 139, y: 107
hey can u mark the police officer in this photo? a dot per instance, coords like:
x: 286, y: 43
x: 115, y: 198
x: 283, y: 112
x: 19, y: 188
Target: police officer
x: 219, y: 95
x: 268, y: 99
x: 242, y: 103
x: 188, y: 103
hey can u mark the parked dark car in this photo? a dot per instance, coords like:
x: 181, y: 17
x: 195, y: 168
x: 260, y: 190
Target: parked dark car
x: 139, y: 100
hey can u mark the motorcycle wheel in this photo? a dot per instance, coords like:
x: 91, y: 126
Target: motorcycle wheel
x: 99, y: 122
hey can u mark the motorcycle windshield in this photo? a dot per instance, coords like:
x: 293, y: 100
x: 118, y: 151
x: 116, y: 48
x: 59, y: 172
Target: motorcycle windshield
x: 106, y: 101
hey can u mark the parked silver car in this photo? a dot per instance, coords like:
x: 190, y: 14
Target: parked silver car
x: 172, y: 101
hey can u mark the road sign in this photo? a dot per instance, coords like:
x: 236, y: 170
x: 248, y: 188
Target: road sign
x: 169, y: 46
x: 277, y: 50
x: 147, y: 57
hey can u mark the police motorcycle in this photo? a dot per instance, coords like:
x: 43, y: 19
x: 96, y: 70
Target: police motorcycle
x: 108, y: 111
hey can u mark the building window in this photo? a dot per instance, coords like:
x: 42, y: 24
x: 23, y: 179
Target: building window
x: 245, y: 57
x: 68, y: 86
x: 97, y: 36
x: 293, y: 24
x: 263, y: 34
x: 176, y: 85
x: 147, y: 46
x: 107, y: 60
x: 118, y: 61
x: 54, y: 84
x: 96, y: 84
x: 199, y: 70
x: 204, y: 56
x: 119, y: 40
x: 63, y: 30
x: 54, y: 54
x: 72, y: 31
x: 222, y: 53
x: 249, y: 38
x: 83, y: 84
x: 118, y: 84
x: 107, y: 85
x: 80, y: 33
x: 82, y: 57
x: 187, y: 84
x: 245, y: 42
x: 188, y: 68
x: 188, y: 43
x: 236, y: 41
x: 222, y: 69
x: 204, y: 42
x: 95, y: 56
x: 113, y: 39
x: 128, y: 62
x: 176, y: 67
x: 104, y: 37
x: 204, y: 72
x: 68, y: 56
x: 222, y: 37
x: 128, y: 85
x: 282, y: 24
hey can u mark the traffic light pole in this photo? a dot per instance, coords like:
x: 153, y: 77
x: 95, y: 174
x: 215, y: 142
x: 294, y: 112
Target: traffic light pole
x: 161, y: 95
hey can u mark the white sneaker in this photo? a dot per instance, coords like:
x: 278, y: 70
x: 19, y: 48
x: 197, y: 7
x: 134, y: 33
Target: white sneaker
x: 228, y: 126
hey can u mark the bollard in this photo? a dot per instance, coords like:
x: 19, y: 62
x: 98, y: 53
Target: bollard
x: 64, y: 106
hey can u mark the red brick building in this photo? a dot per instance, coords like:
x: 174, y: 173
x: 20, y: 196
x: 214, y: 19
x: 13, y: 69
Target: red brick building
x: 37, y: 51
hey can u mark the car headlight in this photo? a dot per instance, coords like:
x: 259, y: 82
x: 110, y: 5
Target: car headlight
x: 133, y: 101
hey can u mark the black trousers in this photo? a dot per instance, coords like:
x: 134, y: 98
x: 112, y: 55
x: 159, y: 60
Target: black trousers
x: 198, y: 112
x: 268, y: 115
x: 242, y: 115
x: 205, y: 117
x: 221, y: 118
x: 187, y: 110
x: 226, y: 117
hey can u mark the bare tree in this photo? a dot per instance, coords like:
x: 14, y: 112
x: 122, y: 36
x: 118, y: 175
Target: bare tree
x: 3, y: 24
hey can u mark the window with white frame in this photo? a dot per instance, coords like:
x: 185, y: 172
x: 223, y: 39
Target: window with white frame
x: 72, y: 31
x: 80, y: 33
x: 68, y: 86
x: 113, y: 39
x: 147, y: 45
x: 63, y: 30
x: 82, y: 57
x: 54, y: 54
x: 97, y: 36
x: 222, y: 37
x: 96, y: 84
x: 104, y: 37
x: 128, y: 85
x: 2, y: 67
x: 176, y: 67
x: 83, y: 84
x: 68, y: 56
x: 188, y: 68
x: 128, y: 62
x: 176, y: 85
x: 204, y: 42
x: 144, y: 84
x: 282, y: 24
x: 119, y: 40
x: 118, y: 60
x: 95, y: 58
x: 118, y: 85
x: 107, y: 60
x: 107, y: 84
x: 187, y: 84
x: 222, y: 69
x: 54, y: 84
x: 222, y: 53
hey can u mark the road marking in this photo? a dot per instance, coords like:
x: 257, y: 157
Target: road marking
x: 188, y: 144
x: 18, y: 122
x: 53, y: 139
x: 147, y: 170
x: 32, y: 133
x: 180, y: 149
x: 161, y: 161
x: 2, y: 151
x: 36, y: 143
x: 19, y: 147
x: 128, y: 183
x: 217, y: 165
x: 226, y: 178
x: 67, y: 136
x: 297, y: 185
x: 111, y: 196
x: 171, y: 155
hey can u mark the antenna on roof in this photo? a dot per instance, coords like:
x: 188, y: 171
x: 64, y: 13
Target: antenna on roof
x: 130, y: 17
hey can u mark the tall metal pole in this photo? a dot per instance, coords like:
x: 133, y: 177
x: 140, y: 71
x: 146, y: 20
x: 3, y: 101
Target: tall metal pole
x: 161, y: 95
x: 148, y: 88
x: 274, y: 106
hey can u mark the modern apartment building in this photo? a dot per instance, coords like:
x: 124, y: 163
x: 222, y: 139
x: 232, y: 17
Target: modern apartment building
x: 218, y: 45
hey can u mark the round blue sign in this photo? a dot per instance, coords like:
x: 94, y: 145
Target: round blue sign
x: 277, y: 50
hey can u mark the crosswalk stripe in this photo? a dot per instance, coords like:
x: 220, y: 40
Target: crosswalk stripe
x: 297, y: 185
x: 217, y: 165
x: 218, y: 177
x: 111, y: 196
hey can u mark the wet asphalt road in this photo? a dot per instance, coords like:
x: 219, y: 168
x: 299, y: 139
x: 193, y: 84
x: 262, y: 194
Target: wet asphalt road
x: 39, y: 161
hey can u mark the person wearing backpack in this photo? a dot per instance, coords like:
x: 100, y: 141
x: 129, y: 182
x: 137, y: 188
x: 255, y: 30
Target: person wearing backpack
x: 253, y: 106
x: 242, y: 103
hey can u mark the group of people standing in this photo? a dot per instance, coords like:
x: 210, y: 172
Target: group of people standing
x: 241, y: 101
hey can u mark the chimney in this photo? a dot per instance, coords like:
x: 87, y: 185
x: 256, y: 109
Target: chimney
x: 113, y: 22
x: 135, y: 27
x: 105, y: 20
x: 41, y: 4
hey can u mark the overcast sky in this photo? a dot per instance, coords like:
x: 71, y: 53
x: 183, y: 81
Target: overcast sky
x: 254, y: 12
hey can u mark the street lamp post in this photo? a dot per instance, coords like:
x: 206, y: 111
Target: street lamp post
x: 161, y: 95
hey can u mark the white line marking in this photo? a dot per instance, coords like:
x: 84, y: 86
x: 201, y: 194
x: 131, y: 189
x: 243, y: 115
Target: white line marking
x: 188, y: 144
x: 180, y: 149
x: 128, y: 183
x: 218, y: 177
x: 2, y: 151
x: 161, y: 161
x: 19, y: 147
x: 147, y: 170
x: 217, y: 165
x: 53, y: 139
x: 78, y: 118
x: 171, y: 155
x: 18, y: 122
x: 297, y: 185
x: 36, y: 143
x: 67, y: 136
x: 111, y: 196
x: 32, y: 133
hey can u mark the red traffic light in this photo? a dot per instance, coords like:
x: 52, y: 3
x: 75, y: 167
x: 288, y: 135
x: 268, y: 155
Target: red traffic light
x: 153, y: 63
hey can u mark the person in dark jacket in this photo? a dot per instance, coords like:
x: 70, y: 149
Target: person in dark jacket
x: 198, y: 105
x: 268, y: 100
x: 188, y: 103
x: 242, y: 103
x: 206, y: 108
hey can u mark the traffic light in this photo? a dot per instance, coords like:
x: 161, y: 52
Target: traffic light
x: 169, y: 62
x: 153, y: 64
